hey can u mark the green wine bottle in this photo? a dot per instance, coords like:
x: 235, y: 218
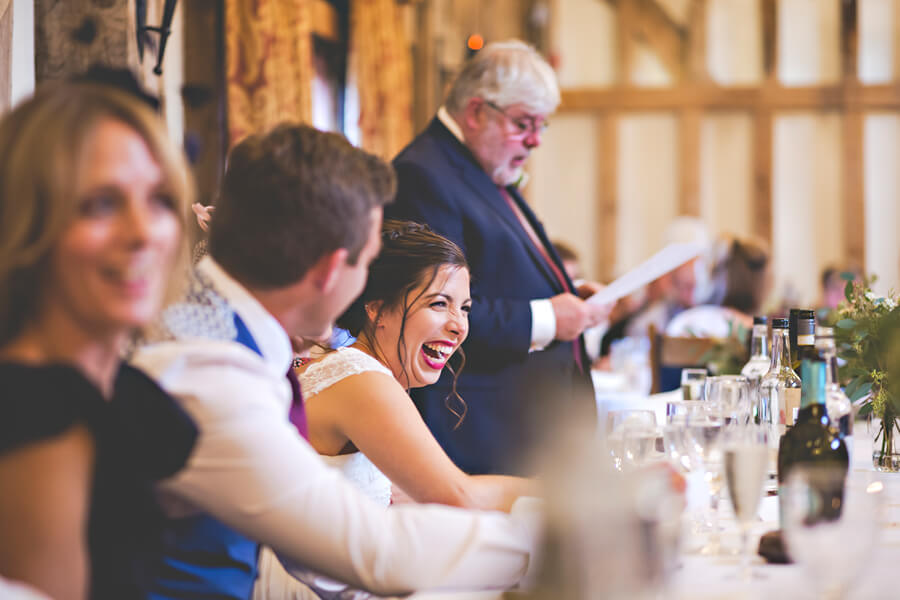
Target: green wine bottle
x: 805, y: 348
x: 811, y: 439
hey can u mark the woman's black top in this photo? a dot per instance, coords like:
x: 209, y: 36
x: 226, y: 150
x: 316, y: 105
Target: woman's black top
x: 141, y: 436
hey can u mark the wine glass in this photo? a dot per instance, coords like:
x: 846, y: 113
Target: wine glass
x: 631, y: 436
x: 675, y: 435
x: 703, y: 436
x: 729, y: 395
x: 830, y: 527
x: 745, y: 456
x: 692, y: 381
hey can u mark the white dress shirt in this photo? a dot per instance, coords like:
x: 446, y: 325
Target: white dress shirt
x: 252, y: 470
x: 543, y: 319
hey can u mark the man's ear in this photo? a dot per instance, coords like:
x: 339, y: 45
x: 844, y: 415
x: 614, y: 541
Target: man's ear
x: 472, y: 113
x: 326, y: 271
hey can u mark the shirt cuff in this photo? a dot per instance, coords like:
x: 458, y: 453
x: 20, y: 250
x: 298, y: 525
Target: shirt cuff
x: 543, y: 324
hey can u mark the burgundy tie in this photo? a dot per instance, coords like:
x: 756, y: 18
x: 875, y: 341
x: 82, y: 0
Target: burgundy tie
x: 539, y: 246
x: 298, y: 412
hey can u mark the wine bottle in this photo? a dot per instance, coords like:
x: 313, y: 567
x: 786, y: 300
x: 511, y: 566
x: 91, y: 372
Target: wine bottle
x: 840, y: 409
x: 811, y: 440
x: 793, y: 317
x: 806, y: 339
x: 779, y: 390
x: 759, y: 362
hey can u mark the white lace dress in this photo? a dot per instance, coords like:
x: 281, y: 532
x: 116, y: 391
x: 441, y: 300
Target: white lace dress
x: 274, y: 581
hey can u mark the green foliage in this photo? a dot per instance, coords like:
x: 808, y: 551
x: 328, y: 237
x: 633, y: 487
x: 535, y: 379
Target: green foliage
x: 728, y: 355
x: 866, y: 335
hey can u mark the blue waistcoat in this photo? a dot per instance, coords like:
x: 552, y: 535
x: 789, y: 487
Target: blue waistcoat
x: 204, y: 558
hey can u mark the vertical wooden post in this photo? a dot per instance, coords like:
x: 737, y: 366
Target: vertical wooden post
x: 689, y: 141
x: 6, y: 18
x: 763, y: 122
x: 607, y: 214
x: 624, y: 43
x: 762, y: 175
x: 204, y: 93
x: 853, y: 160
x: 695, y: 60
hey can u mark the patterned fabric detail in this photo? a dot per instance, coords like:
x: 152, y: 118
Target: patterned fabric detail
x: 268, y: 64
x: 363, y: 473
x: 335, y: 366
x: 381, y: 62
x: 203, y: 313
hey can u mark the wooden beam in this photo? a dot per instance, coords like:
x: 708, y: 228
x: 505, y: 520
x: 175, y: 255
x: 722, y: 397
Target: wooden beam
x: 853, y: 197
x: 608, y: 192
x: 695, y: 61
x: 712, y: 97
x: 689, y: 141
x: 6, y: 17
x: 652, y: 25
x: 849, y: 39
x: 624, y: 44
x: 762, y: 175
x: 204, y: 94
x: 853, y: 176
x: 769, y: 22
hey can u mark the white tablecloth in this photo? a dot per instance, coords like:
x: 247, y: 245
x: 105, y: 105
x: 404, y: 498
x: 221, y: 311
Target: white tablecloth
x: 713, y: 578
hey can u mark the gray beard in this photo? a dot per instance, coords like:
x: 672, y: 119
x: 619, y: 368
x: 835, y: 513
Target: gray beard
x: 511, y: 178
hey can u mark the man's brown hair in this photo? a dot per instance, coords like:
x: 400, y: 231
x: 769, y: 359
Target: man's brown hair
x: 289, y: 197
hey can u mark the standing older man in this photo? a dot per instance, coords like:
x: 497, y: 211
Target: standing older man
x: 526, y: 366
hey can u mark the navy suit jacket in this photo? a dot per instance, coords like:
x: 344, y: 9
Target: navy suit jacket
x: 514, y: 397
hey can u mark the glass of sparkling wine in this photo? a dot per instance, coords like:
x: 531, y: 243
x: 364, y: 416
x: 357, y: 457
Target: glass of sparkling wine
x: 692, y: 381
x: 745, y: 456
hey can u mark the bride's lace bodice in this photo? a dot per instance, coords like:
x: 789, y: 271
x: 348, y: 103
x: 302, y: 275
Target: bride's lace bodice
x: 323, y: 374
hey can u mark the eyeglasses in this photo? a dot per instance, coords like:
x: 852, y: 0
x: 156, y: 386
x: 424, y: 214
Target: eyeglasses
x: 525, y: 125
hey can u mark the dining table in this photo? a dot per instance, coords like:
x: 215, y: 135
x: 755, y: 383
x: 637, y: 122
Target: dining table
x: 695, y: 576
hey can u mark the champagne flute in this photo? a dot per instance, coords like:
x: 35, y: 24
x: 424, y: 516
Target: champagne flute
x: 745, y: 455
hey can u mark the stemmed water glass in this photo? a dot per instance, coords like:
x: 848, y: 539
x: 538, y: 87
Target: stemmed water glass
x: 692, y: 381
x: 729, y: 395
x: 675, y: 440
x: 631, y: 436
x: 831, y: 526
x: 745, y: 456
x: 703, y: 442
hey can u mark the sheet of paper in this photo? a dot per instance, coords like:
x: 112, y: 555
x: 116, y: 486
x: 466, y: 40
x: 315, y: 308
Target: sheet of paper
x: 669, y: 258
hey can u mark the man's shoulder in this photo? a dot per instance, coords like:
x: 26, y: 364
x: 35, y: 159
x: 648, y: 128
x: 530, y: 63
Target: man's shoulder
x: 429, y: 149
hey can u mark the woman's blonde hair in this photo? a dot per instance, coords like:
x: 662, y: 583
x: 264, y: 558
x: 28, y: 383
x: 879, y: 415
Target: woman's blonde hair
x: 41, y: 162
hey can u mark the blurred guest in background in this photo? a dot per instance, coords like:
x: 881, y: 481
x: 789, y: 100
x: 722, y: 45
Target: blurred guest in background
x: 833, y: 284
x: 93, y: 200
x: 674, y: 292
x: 747, y: 278
x: 527, y: 364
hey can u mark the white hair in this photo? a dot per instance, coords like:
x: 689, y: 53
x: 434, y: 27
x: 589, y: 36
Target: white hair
x: 506, y: 73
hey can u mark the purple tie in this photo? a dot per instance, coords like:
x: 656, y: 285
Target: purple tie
x: 298, y: 413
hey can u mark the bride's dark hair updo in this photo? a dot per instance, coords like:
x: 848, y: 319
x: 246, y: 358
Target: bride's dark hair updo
x: 411, y: 256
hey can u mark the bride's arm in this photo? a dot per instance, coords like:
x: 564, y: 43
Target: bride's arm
x: 374, y: 412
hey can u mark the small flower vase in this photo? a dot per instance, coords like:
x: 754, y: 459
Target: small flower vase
x: 886, y: 446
